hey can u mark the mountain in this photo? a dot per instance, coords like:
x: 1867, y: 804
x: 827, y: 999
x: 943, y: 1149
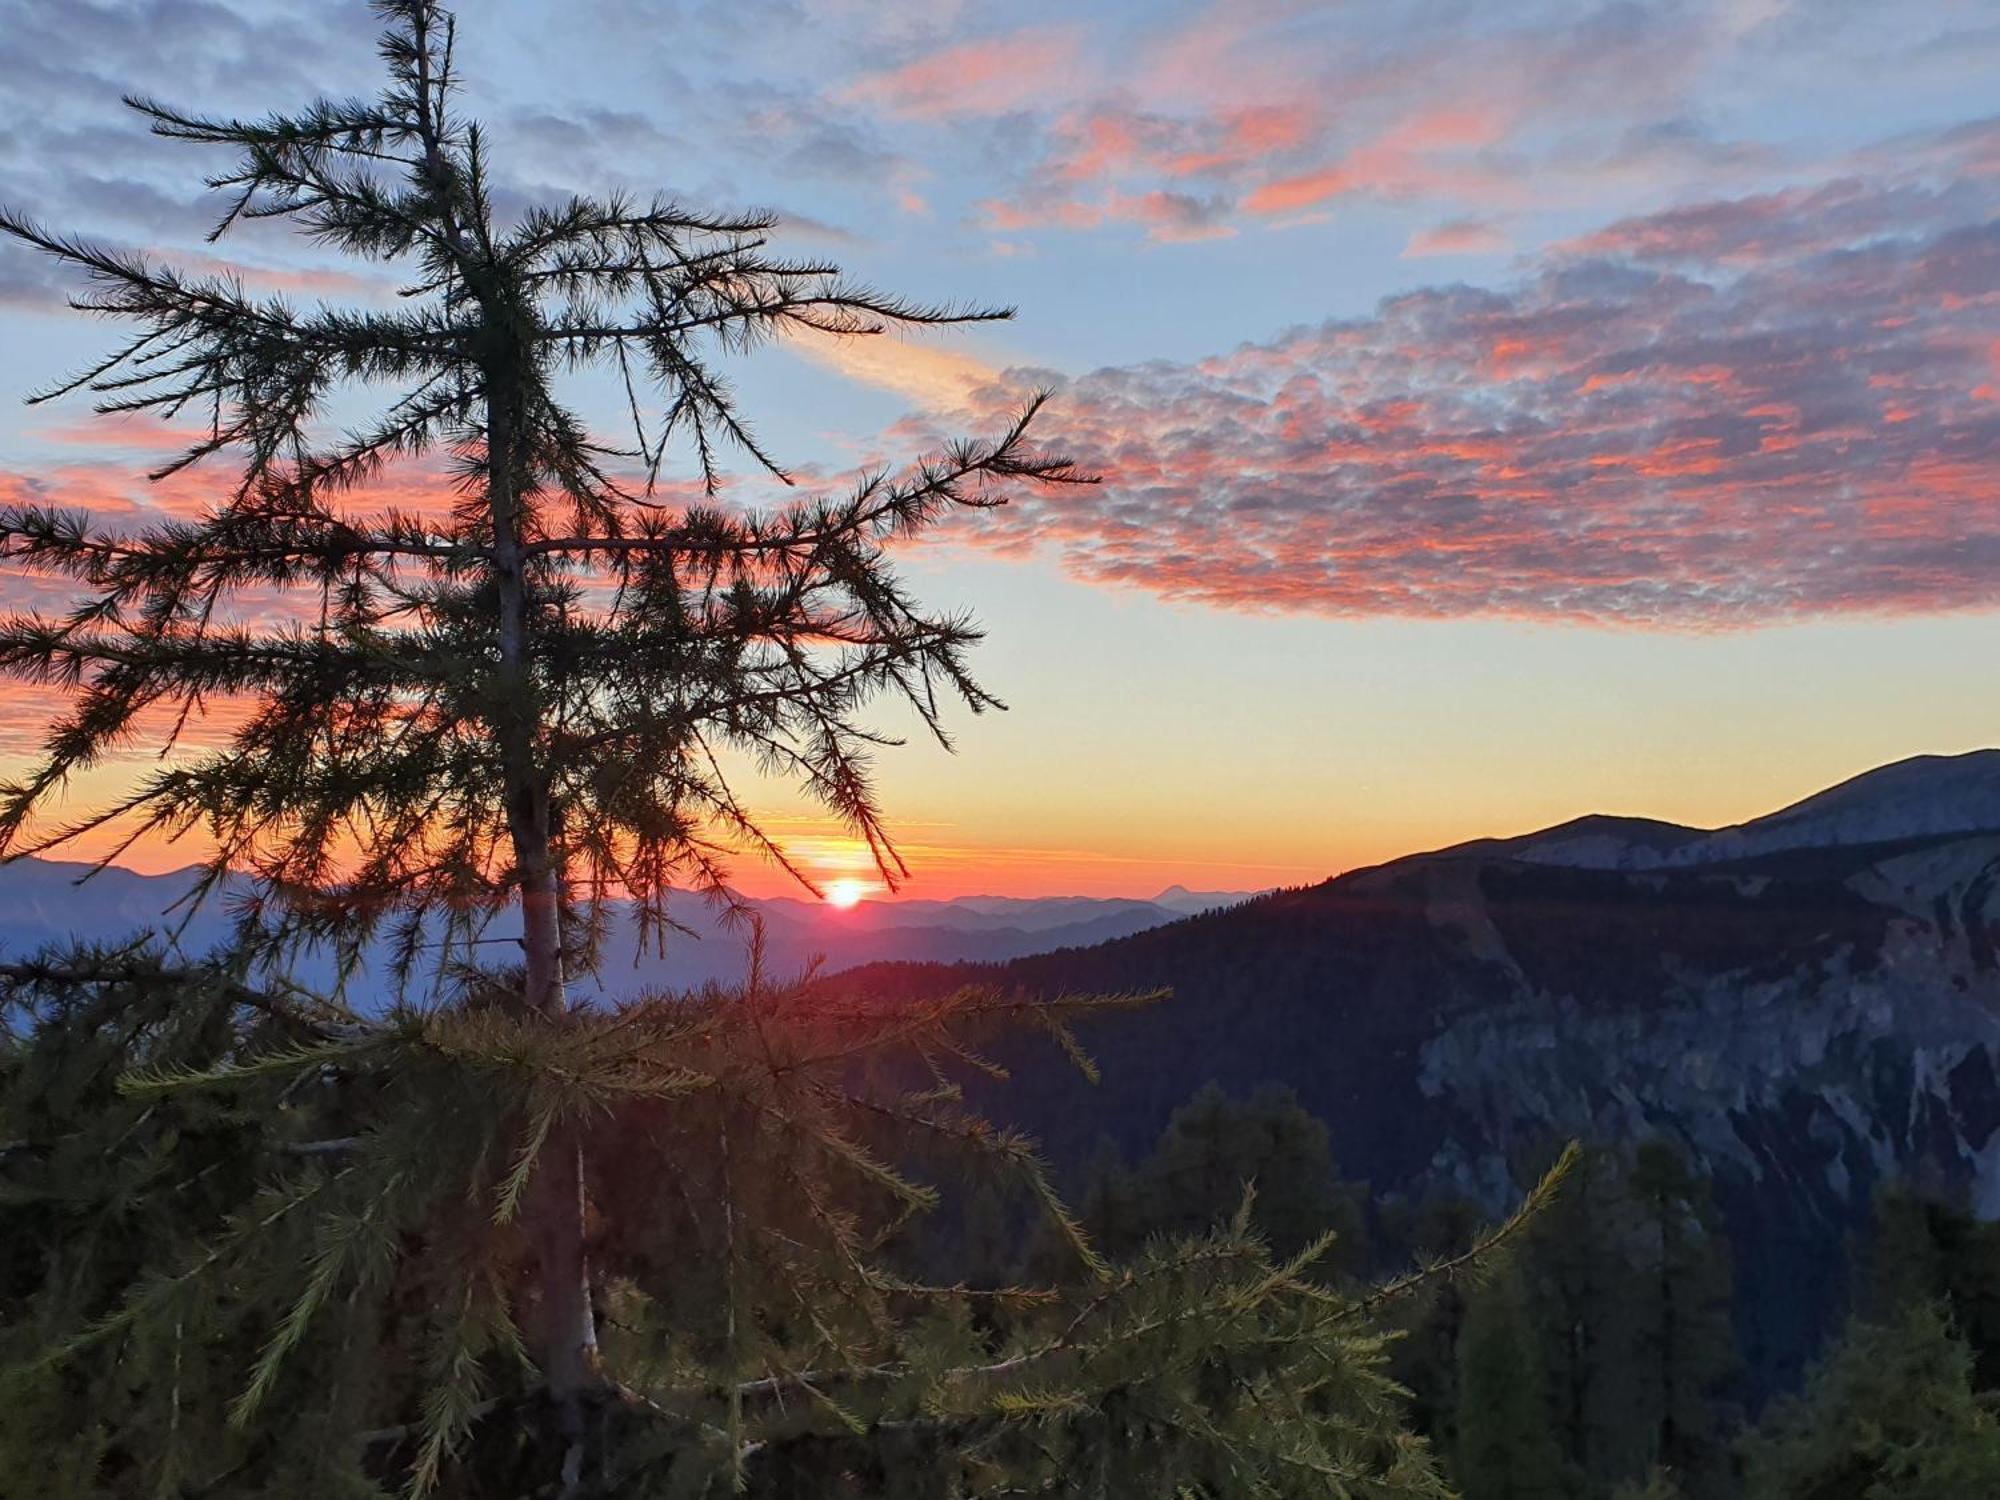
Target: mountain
x: 1807, y: 1003
x: 1914, y: 798
x: 49, y: 901
x: 1179, y: 898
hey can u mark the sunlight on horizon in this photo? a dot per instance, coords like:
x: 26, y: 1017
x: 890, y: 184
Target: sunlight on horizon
x: 846, y: 894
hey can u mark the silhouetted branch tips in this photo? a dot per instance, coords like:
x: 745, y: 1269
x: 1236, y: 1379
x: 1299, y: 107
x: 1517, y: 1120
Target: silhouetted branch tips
x: 1488, y: 1251
x: 766, y: 632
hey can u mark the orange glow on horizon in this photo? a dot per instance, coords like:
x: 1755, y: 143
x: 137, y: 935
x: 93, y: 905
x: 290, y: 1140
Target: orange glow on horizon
x: 845, y: 894
x: 940, y: 869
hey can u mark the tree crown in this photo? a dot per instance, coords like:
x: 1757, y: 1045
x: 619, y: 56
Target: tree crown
x: 566, y: 652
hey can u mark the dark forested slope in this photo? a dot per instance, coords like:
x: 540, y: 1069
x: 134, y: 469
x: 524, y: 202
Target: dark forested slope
x: 1805, y: 1019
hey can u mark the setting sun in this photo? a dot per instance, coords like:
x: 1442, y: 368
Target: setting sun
x: 845, y: 893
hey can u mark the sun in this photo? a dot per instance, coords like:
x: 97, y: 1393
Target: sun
x: 845, y: 893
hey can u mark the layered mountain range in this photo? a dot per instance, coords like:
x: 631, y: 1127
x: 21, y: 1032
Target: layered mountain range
x: 1807, y: 1003
x: 46, y: 902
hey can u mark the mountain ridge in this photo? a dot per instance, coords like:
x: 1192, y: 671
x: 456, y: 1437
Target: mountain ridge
x: 1804, y: 1017
x: 44, y: 901
x: 1913, y: 797
x: 1807, y: 1003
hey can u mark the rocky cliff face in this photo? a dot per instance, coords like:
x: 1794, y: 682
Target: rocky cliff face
x: 1849, y: 999
x: 1805, y: 1025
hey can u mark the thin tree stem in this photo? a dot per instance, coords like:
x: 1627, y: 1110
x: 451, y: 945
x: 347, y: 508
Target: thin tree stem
x: 568, y: 1353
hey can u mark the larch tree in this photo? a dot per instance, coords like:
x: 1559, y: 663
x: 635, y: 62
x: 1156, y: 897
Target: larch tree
x: 467, y: 1237
x: 1506, y: 1448
x: 1214, y: 1147
x: 1688, y: 1333
x: 520, y: 705
x: 1892, y: 1411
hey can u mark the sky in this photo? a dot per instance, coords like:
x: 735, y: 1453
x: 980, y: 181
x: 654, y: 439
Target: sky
x: 1503, y: 411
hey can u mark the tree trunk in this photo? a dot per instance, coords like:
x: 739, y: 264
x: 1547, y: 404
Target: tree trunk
x: 568, y: 1331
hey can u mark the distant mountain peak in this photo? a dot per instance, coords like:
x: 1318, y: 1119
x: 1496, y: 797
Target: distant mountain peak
x: 1178, y: 898
x: 1925, y: 796
x: 1816, y: 1016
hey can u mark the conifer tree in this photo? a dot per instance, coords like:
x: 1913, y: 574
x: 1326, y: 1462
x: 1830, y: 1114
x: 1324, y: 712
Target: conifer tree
x: 1687, y: 1335
x: 523, y: 703
x: 1890, y: 1413
x: 466, y: 1237
x: 1426, y: 1357
x: 1655, y: 1486
x: 1506, y: 1445
x: 1924, y: 1249
x: 1212, y: 1149
x: 1628, y: 1279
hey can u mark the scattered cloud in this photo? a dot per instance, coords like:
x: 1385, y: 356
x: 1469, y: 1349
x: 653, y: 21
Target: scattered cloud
x: 1277, y: 110
x: 1764, y: 402
x: 1458, y: 237
x: 936, y: 378
x: 1725, y: 414
x: 983, y: 76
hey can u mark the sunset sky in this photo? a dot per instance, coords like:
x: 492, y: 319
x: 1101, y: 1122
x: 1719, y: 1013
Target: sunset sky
x: 1505, y: 412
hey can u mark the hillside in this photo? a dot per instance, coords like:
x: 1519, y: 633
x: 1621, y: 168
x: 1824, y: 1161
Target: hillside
x: 1807, y: 1003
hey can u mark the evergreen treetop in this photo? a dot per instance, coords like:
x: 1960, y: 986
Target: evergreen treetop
x: 529, y: 694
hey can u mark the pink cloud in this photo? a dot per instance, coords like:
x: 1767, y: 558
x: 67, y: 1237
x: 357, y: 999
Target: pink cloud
x: 1173, y: 216
x: 134, y: 433
x: 1249, y: 136
x: 987, y: 76
x: 1280, y: 110
x: 1269, y: 159
x: 1663, y: 426
x: 1062, y: 213
x: 1167, y: 215
x: 1105, y: 142
x: 1234, y: 53
x: 1303, y: 190
x: 117, y: 490
x: 1457, y: 237
x: 1415, y: 155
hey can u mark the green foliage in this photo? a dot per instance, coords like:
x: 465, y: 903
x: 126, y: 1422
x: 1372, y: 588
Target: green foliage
x: 1926, y: 1250
x: 1629, y: 1277
x: 1690, y: 1337
x: 108, y: 1200
x: 1506, y: 1446
x: 1425, y: 1357
x: 1599, y: 1367
x: 1890, y: 1414
x: 1212, y: 1150
x: 1678, y: 1298
x: 264, y: 1239
x: 1617, y: 1319
x: 1656, y: 1486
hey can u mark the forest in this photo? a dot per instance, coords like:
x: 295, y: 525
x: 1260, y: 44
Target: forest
x: 1599, y: 1356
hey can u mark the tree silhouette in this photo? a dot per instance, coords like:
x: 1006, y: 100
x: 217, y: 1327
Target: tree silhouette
x: 1506, y: 1450
x: 525, y: 700
x: 1212, y: 1150
x: 490, y: 1240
